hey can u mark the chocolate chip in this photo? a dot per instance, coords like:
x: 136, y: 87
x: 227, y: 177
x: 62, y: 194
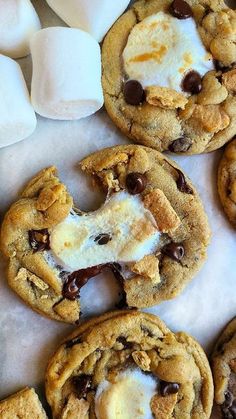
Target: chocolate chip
x: 39, y: 240
x: 102, y: 239
x: 231, y: 4
x: 127, y: 345
x: 133, y: 92
x: 83, y: 384
x: 192, y: 83
x: 174, y: 250
x: 221, y: 67
x: 116, y: 269
x: 168, y: 388
x: 182, y: 184
x: 180, y: 145
x: 228, y: 399
x: 136, y: 183
x: 77, y: 280
x: 180, y: 9
x: 122, y: 303
x: 228, y: 408
x: 73, y: 342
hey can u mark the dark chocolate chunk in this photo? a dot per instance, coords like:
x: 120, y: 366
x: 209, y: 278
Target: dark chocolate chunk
x: 127, y: 345
x: 181, y: 145
x: 77, y: 280
x: 116, y: 269
x: 168, y: 388
x: 102, y: 239
x: 174, y: 250
x: 82, y: 383
x: 231, y: 4
x: 73, y: 342
x: 39, y: 240
x: 221, y: 67
x: 228, y: 408
x: 133, y: 92
x: 122, y: 303
x: 180, y: 9
x: 192, y: 82
x: 182, y: 184
x: 136, y: 183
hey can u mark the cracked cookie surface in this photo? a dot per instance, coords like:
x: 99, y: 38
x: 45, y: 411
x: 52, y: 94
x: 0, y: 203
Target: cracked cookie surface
x: 24, y: 404
x: 97, y: 371
x: 224, y: 371
x: 164, y: 118
x: 227, y: 181
x: 152, y: 233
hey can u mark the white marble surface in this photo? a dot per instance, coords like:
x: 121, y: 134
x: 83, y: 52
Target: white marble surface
x: 26, y: 339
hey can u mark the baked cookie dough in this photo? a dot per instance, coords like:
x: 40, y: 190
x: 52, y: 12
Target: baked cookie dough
x: 128, y: 364
x: 24, y: 404
x: 159, y: 90
x: 224, y: 371
x: 227, y: 181
x: 152, y: 233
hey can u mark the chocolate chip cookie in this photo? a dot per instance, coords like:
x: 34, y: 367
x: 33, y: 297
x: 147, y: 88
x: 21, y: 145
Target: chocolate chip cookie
x: 159, y: 90
x: 151, y: 233
x: 224, y: 371
x: 227, y: 181
x: 128, y: 364
x: 24, y: 404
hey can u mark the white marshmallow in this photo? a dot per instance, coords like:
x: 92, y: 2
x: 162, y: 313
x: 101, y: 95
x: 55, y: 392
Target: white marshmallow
x: 93, y: 16
x: 123, y: 217
x: 128, y: 397
x: 17, y: 117
x: 66, y: 81
x: 18, y: 22
x: 162, y: 49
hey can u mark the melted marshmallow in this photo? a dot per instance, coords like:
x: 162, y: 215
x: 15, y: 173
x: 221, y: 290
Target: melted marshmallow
x: 123, y: 217
x: 161, y: 49
x: 128, y: 397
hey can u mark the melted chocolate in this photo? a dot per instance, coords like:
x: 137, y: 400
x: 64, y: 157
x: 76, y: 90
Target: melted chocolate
x: 39, y: 240
x: 78, y: 279
x: 73, y: 342
x: 182, y: 184
x: 75, y: 281
x: 174, y: 250
x: 102, y: 239
x: 168, y: 388
x: 82, y: 383
x: 180, y: 145
x: 136, y: 183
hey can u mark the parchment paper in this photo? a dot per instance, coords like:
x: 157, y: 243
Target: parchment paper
x: 27, y: 340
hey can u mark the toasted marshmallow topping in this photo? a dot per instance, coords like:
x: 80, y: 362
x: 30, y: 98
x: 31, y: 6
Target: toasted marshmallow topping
x: 162, y: 49
x: 128, y: 397
x: 129, y: 228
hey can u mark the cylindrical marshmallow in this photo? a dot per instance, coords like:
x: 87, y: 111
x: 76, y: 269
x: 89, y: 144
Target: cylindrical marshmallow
x: 66, y: 82
x: 17, y: 117
x: 93, y: 16
x: 18, y: 22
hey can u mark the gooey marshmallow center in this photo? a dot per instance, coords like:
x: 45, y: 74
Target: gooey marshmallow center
x: 128, y: 397
x: 162, y: 49
x: 130, y: 226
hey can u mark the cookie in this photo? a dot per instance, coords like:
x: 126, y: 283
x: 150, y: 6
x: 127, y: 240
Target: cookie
x: 227, y: 181
x: 159, y: 90
x: 24, y: 404
x: 151, y: 232
x: 224, y: 371
x: 128, y: 364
